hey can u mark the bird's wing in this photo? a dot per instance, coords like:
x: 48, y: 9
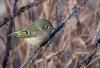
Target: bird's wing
x: 33, y: 30
x: 21, y: 34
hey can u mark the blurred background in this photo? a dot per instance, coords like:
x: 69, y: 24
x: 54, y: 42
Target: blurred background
x: 75, y: 40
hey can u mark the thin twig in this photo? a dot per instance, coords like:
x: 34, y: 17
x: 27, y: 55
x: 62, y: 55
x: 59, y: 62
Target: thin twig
x: 22, y: 9
x: 48, y: 57
x: 27, y: 61
x: 31, y: 58
x: 8, y: 47
x: 88, y: 59
x: 92, y: 61
x: 60, y: 26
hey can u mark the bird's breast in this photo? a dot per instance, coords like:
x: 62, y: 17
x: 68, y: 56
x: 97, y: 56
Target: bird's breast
x: 39, y: 40
x: 34, y: 41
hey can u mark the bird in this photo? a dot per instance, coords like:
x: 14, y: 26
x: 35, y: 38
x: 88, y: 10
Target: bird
x: 36, y: 33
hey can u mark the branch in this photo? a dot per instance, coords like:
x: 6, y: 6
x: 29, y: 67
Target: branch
x: 48, y: 57
x: 60, y: 26
x: 27, y: 61
x: 93, y: 61
x: 88, y: 59
x: 22, y: 9
x: 8, y: 47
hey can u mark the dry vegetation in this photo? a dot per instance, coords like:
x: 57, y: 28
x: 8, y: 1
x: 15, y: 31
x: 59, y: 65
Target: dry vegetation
x: 69, y: 47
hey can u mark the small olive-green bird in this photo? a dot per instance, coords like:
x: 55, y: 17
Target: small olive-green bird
x: 36, y: 33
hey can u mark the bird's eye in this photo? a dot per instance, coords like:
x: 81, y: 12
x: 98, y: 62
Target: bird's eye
x: 47, y: 27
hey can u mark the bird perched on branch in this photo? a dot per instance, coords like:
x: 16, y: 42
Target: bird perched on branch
x: 36, y: 33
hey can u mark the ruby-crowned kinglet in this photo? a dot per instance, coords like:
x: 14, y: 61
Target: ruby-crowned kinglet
x: 36, y: 33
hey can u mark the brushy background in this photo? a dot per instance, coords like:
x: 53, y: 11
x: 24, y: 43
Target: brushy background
x: 75, y: 40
